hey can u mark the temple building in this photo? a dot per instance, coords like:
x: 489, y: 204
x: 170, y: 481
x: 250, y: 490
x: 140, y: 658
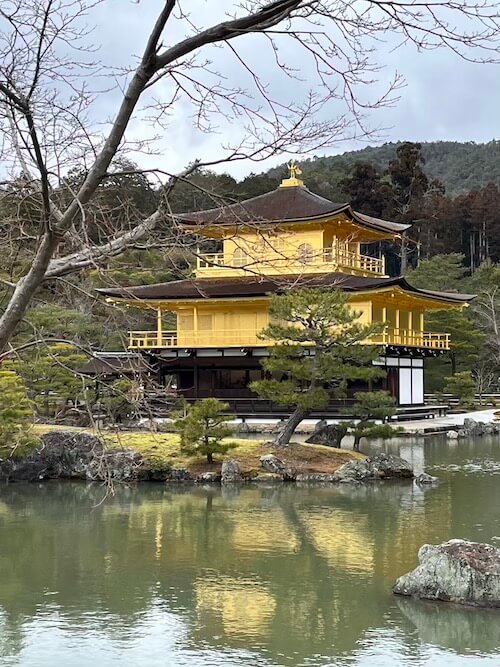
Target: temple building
x: 285, y: 239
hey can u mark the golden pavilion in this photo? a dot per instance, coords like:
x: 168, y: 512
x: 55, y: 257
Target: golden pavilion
x: 282, y: 240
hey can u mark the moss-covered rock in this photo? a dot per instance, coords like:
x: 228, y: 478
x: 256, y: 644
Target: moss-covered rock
x: 456, y: 571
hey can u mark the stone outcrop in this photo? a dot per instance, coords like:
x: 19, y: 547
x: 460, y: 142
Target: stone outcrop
x: 456, y: 571
x: 209, y: 478
x: 391, y: 466
x: 315, y: 478
x: 231, y: 472
x: 267, y: 478
x: 477, y: 429
x: 452, y: 435
x: 472, y: 427
x: 424, y: 478
x: 120, y: 465
x: 330, y: 435
x: 70, y: 455
x: 380, y: 466
x: 355, y: 471
x: 179, y: 475
x: 273, y: 464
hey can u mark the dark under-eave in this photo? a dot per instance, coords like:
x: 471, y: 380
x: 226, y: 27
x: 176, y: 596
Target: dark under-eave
x: 252, y: 286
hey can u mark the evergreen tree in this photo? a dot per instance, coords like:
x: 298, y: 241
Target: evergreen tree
x: 49, y: 374
x: 441, y: 273
x: 446, y: 273
x: 370, y: 407
x: 485, y: 282
x: 120, y: 399
x: 409, y: 185
x: 366, y: 191
x: 204, y: 428
x: 463, y: 386
x: 319, y: 344
x: 16, y: 415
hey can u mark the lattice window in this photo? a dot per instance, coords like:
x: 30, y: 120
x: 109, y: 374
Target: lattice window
x: 240, y: 257
x: 306, y: 253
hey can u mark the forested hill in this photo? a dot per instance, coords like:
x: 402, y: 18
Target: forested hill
x: 461, y: 167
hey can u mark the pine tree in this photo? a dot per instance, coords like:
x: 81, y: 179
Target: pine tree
x: 463, y: 386
x: 370, y: 407
x: 16, y: 415
x: 320, y: 344
x: 49, y: 374
x: 204, y: 428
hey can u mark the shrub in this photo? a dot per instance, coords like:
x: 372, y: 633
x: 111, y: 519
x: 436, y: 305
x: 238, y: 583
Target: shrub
x: 203, y: 429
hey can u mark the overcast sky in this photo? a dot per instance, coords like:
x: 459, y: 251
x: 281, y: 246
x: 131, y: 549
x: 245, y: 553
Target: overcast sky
x: 445, y: 98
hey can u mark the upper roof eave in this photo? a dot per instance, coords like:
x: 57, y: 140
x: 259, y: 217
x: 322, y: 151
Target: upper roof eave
x: 292, y: 205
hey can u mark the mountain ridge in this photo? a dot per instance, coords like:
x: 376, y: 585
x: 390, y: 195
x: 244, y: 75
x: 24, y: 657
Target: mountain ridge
x: 460, y: 166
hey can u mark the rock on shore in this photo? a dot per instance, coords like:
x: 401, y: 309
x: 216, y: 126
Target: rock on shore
x: 457, y: 571
x: 379, y: 466
x: 69, y: 455
x: 473, y: 428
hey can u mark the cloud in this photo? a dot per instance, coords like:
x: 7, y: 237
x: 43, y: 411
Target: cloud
x: 444, y: 98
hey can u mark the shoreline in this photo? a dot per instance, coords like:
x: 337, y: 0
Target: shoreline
x: 157, y: 458
x: 409, y: 428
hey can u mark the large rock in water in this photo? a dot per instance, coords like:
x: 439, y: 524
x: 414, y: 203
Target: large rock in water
x: 354, y: 471
x: 327, y: 434
x: 456, y: 571
x: 380, y: 466
x: 389, y: 465
x: 72, y: 455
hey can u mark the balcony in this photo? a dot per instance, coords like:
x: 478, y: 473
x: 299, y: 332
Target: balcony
x: 190, y: 339
x: 314, y: 261
x: 143, y: 340
x: 408, y: 338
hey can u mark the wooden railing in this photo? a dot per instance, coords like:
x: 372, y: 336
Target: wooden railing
x: 329, y: 258
x: 250, y: 338
x: 190, y: 339
x: 409, y: 338
x: 151, y: 339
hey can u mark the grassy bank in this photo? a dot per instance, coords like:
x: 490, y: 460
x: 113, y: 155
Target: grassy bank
x: 162, y: 449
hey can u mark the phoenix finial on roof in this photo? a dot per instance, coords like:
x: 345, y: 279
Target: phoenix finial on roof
x: 293, y: 179
x: 295, y: 170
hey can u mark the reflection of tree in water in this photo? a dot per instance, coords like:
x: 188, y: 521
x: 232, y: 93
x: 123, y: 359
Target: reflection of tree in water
x: 294, y: 571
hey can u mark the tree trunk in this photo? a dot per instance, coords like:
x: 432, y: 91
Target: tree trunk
x: 283, y: 437
x: 26, y: 288
x: 357, y: 439
x: 210, y: 457
x: 453, y: 360
x: 404, y: 255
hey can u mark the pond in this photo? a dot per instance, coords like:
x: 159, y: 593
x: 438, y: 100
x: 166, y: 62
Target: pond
x: 278, y: 576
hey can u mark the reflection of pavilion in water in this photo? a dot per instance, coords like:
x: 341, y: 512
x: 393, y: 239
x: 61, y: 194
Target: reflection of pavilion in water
x: 244, y: 607
x: 297, y: 571
x: 256, y: 545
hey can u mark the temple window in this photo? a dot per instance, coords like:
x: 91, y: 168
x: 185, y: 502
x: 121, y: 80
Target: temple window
x: 240, y: 257
x: 306, y: 253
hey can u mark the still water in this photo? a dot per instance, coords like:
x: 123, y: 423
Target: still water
x: 256, y: 576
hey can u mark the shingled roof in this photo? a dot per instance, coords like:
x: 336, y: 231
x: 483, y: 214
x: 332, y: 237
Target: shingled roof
x: 254, y: 286
x: 285, y: 204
